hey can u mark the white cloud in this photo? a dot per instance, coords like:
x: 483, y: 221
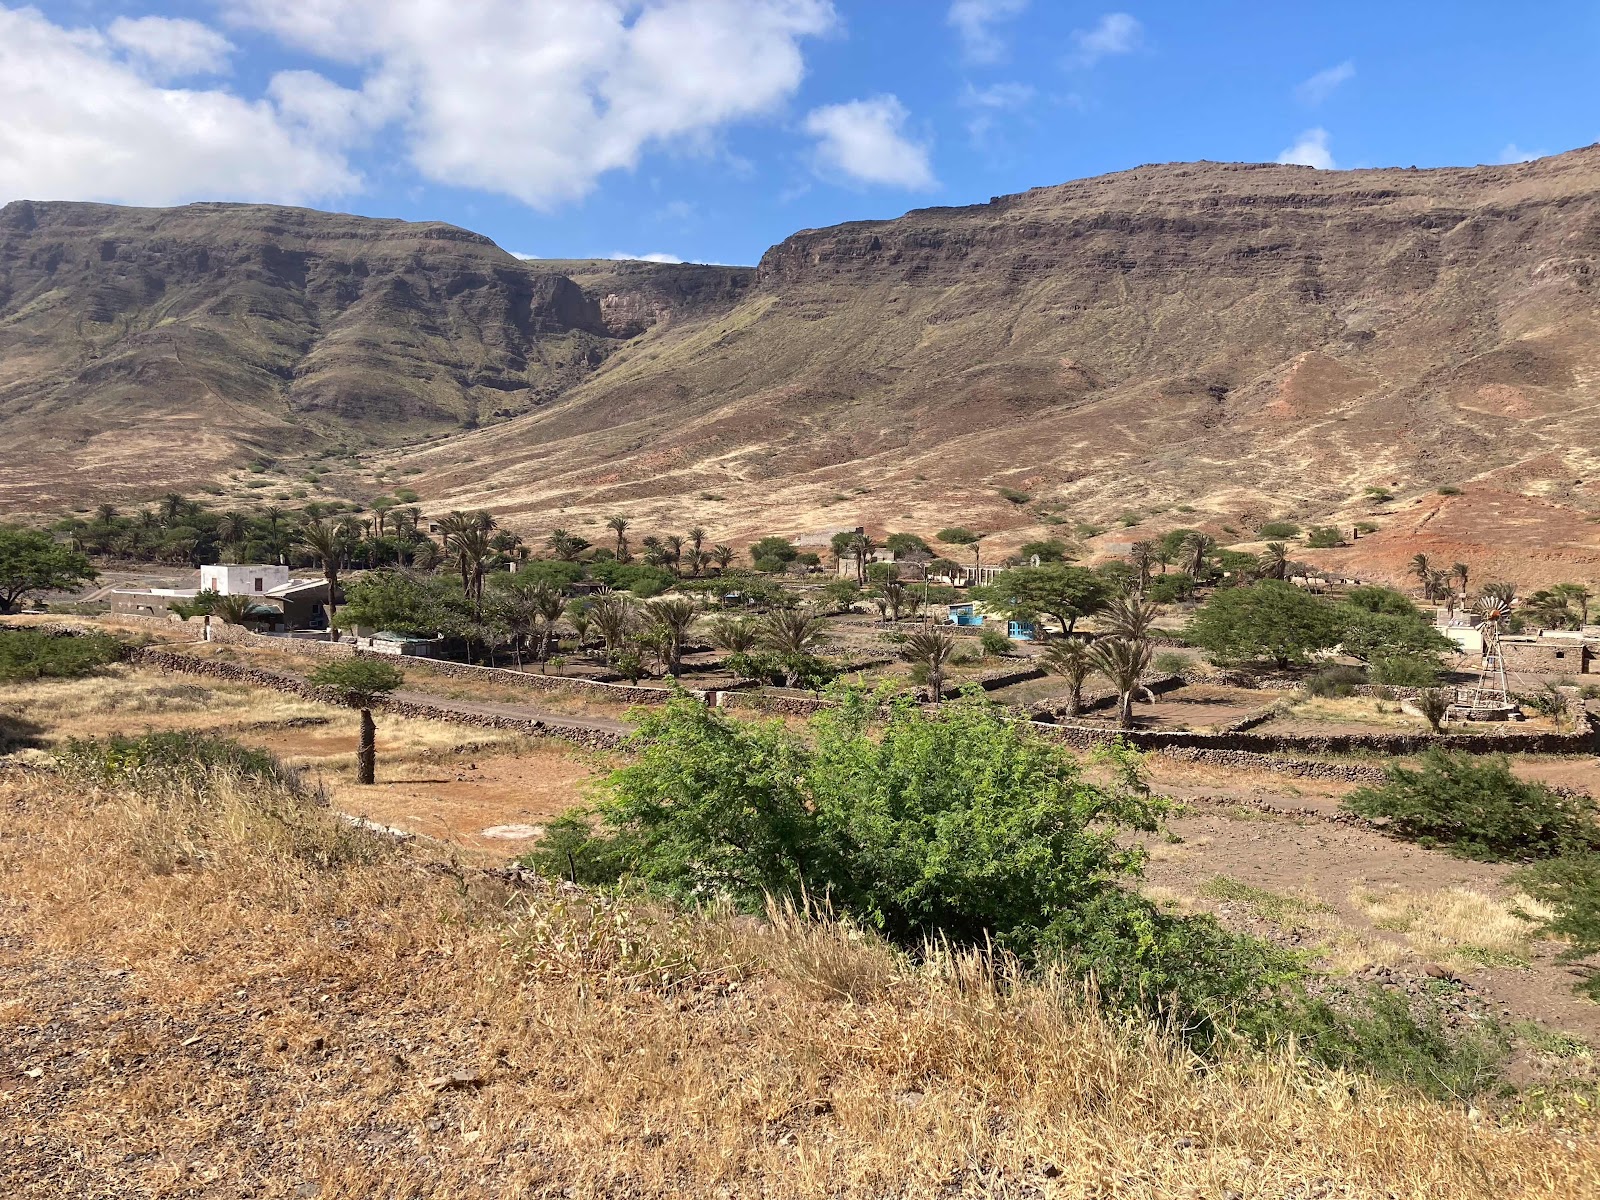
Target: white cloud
x: 973, y: 21
x: 657, y: 257
x: 171, y: 48
x: 1514, y: 153
x: 537, y: 101
x: 865, y: 141
x: 526, y: 257
x: 986, y: 105
x: 1116, y: 33
x: 1310, y: 150
x: 1324, y: 83
x: 80, y: 124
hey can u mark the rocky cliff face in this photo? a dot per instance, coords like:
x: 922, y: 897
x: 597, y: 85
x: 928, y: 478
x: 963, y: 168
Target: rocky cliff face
x: 1242, y: 340
x: 142, y: 346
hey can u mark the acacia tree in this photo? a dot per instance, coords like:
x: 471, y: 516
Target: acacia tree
x: 1053, y: 589
x: 930, y: 649
x: 360, y: 683
x: 1268, y: 619
x: 32, y: 561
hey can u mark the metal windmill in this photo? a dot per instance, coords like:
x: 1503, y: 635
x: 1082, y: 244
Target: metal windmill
x: 1492, y: 608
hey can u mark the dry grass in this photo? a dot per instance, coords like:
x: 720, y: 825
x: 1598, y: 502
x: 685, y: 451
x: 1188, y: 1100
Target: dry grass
x: 1458, y: 926
x: 228, y: 996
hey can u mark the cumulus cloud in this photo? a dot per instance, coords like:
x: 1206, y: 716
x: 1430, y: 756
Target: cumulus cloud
x: 170, y: 47
x: 537, y: 101
x: 974, y: 21
x: 1324, y: 83
x: 657, y: 257
x: 1116, y: 33
x: 1514, y: 153
x: 1310, y: 149
x: 83, y: 123
x: 865, y: 140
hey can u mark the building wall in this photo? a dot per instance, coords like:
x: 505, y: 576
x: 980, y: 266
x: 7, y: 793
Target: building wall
x: 1548, y: 656
x: 231, y: 579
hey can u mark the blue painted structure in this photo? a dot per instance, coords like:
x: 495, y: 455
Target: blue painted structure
x: 965, y: 615
x: 1020, y: 631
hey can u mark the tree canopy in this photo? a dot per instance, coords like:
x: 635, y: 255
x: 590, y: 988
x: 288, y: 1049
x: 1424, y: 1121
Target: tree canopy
x: 33, y: 561
x: 1056, y: 590
x: 1266, y: 620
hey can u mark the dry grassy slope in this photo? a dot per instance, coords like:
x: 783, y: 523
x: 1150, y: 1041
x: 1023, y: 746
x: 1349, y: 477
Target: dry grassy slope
x: 146, y: 347
x: 1248, y: 339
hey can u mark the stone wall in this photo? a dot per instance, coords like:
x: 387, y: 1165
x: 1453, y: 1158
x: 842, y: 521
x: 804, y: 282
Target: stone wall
x: 776, y: 705
x: 232, y: 672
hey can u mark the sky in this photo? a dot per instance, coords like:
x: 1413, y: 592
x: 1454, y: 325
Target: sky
x: 707, y: 130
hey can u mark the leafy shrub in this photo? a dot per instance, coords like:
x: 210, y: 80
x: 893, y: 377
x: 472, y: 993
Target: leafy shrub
x: 1478, y: 809
x: 1335, y: 681
x: 960, y: 828
x: 1324, y: 537
x: 37, y: 654
x: 1013, y: 495
x: 1570, y: 885
x: 1449, y: 489
x: 1171, y: 587
x: 1279, y: 529
x: 1433, y: 703
x: 1170, y: 663
x: 1377, y: 1032
x: 1129, y: 519
x: 1365, y: 527
x: 995, y: 642
x: 1406, y: 670
x: 175, y: 756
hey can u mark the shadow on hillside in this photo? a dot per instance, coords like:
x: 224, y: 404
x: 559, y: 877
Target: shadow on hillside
x: 19, y: 733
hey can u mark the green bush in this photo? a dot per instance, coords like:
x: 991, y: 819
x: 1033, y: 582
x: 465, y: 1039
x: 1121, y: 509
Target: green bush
x: 1336, y: 681
x: 1279, y: 529
x: 1570, y: 885
x: 1406, y: 670
x: 1449, y: 489
x: 1478, y: 809
x: 175, y: 756
x: 1013, y: 495
x: 1324, y: 537
x: 1377, y: 1032
x: 1169, y: 662
x: 37, y: 654
x: 995, y: 642
x: 959, y: 827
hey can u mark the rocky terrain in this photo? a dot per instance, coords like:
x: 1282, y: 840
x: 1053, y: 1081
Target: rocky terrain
x: 148, y: 348
x: 1201, y: 344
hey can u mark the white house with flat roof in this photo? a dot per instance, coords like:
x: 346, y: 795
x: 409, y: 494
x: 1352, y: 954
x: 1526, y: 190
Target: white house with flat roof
x: 247, y: 579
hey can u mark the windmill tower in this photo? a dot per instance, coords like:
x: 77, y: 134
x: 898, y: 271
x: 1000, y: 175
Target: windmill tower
x: 1492, y: 609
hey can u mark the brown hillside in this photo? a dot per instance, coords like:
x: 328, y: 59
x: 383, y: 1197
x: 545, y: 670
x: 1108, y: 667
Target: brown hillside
x: 1250, y: 340
x: 146, y: 348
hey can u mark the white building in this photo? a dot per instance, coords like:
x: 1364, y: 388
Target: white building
x: 230, y: 579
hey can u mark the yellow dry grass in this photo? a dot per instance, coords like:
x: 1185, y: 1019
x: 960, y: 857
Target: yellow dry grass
x: 228, y: 995
x: 1457, y: 925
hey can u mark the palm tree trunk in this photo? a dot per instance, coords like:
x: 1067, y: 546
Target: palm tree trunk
x: 367, y: 754
x: 1125, y: 711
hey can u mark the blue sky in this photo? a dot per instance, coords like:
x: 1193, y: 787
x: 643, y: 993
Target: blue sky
x: 709, y: 129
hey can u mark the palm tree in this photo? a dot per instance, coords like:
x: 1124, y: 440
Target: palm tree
x: 1575, y: 593
x: 360, y: 683
x: 232, y: 609
x: 473, y: 547
x: 1069, y: 659
x: 862, y: 547
x: 674, y: 547
x: 1423, y: 570
x: 613, y: 617
x: 105, y: 513
x: 233, y: 527
x: 550, y: 606
x: 1129, y: 617
x: 722, y: 556
x: 672, y: 618
x: 1123, y: 662
x: 1197, y: 546
x: 515, y: 612
x: 697, y: 541
x: 619, y: 526
x: 1275, y: 561
x: 171, y: 508
x: 1141, y: 555
x: 565, y: 545
x: 578, y: 617
x: 791, y: 634
x: 1459, y: 573
x: 324, y: 543
x: 736, y: 635
x: 930, y: 649
x: 1503, y: 595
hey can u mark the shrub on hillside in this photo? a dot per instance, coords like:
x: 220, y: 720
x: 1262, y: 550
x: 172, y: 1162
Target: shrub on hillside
x: 960, y: 828
x: 1570, y: 885
x: 1478, y: 809
x: 1406, y: 670
x: 1279, y: 529
x: 994, y: 642
x: 37, y: 654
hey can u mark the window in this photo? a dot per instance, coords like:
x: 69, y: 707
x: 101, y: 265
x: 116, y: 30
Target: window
x: 258, y: 583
